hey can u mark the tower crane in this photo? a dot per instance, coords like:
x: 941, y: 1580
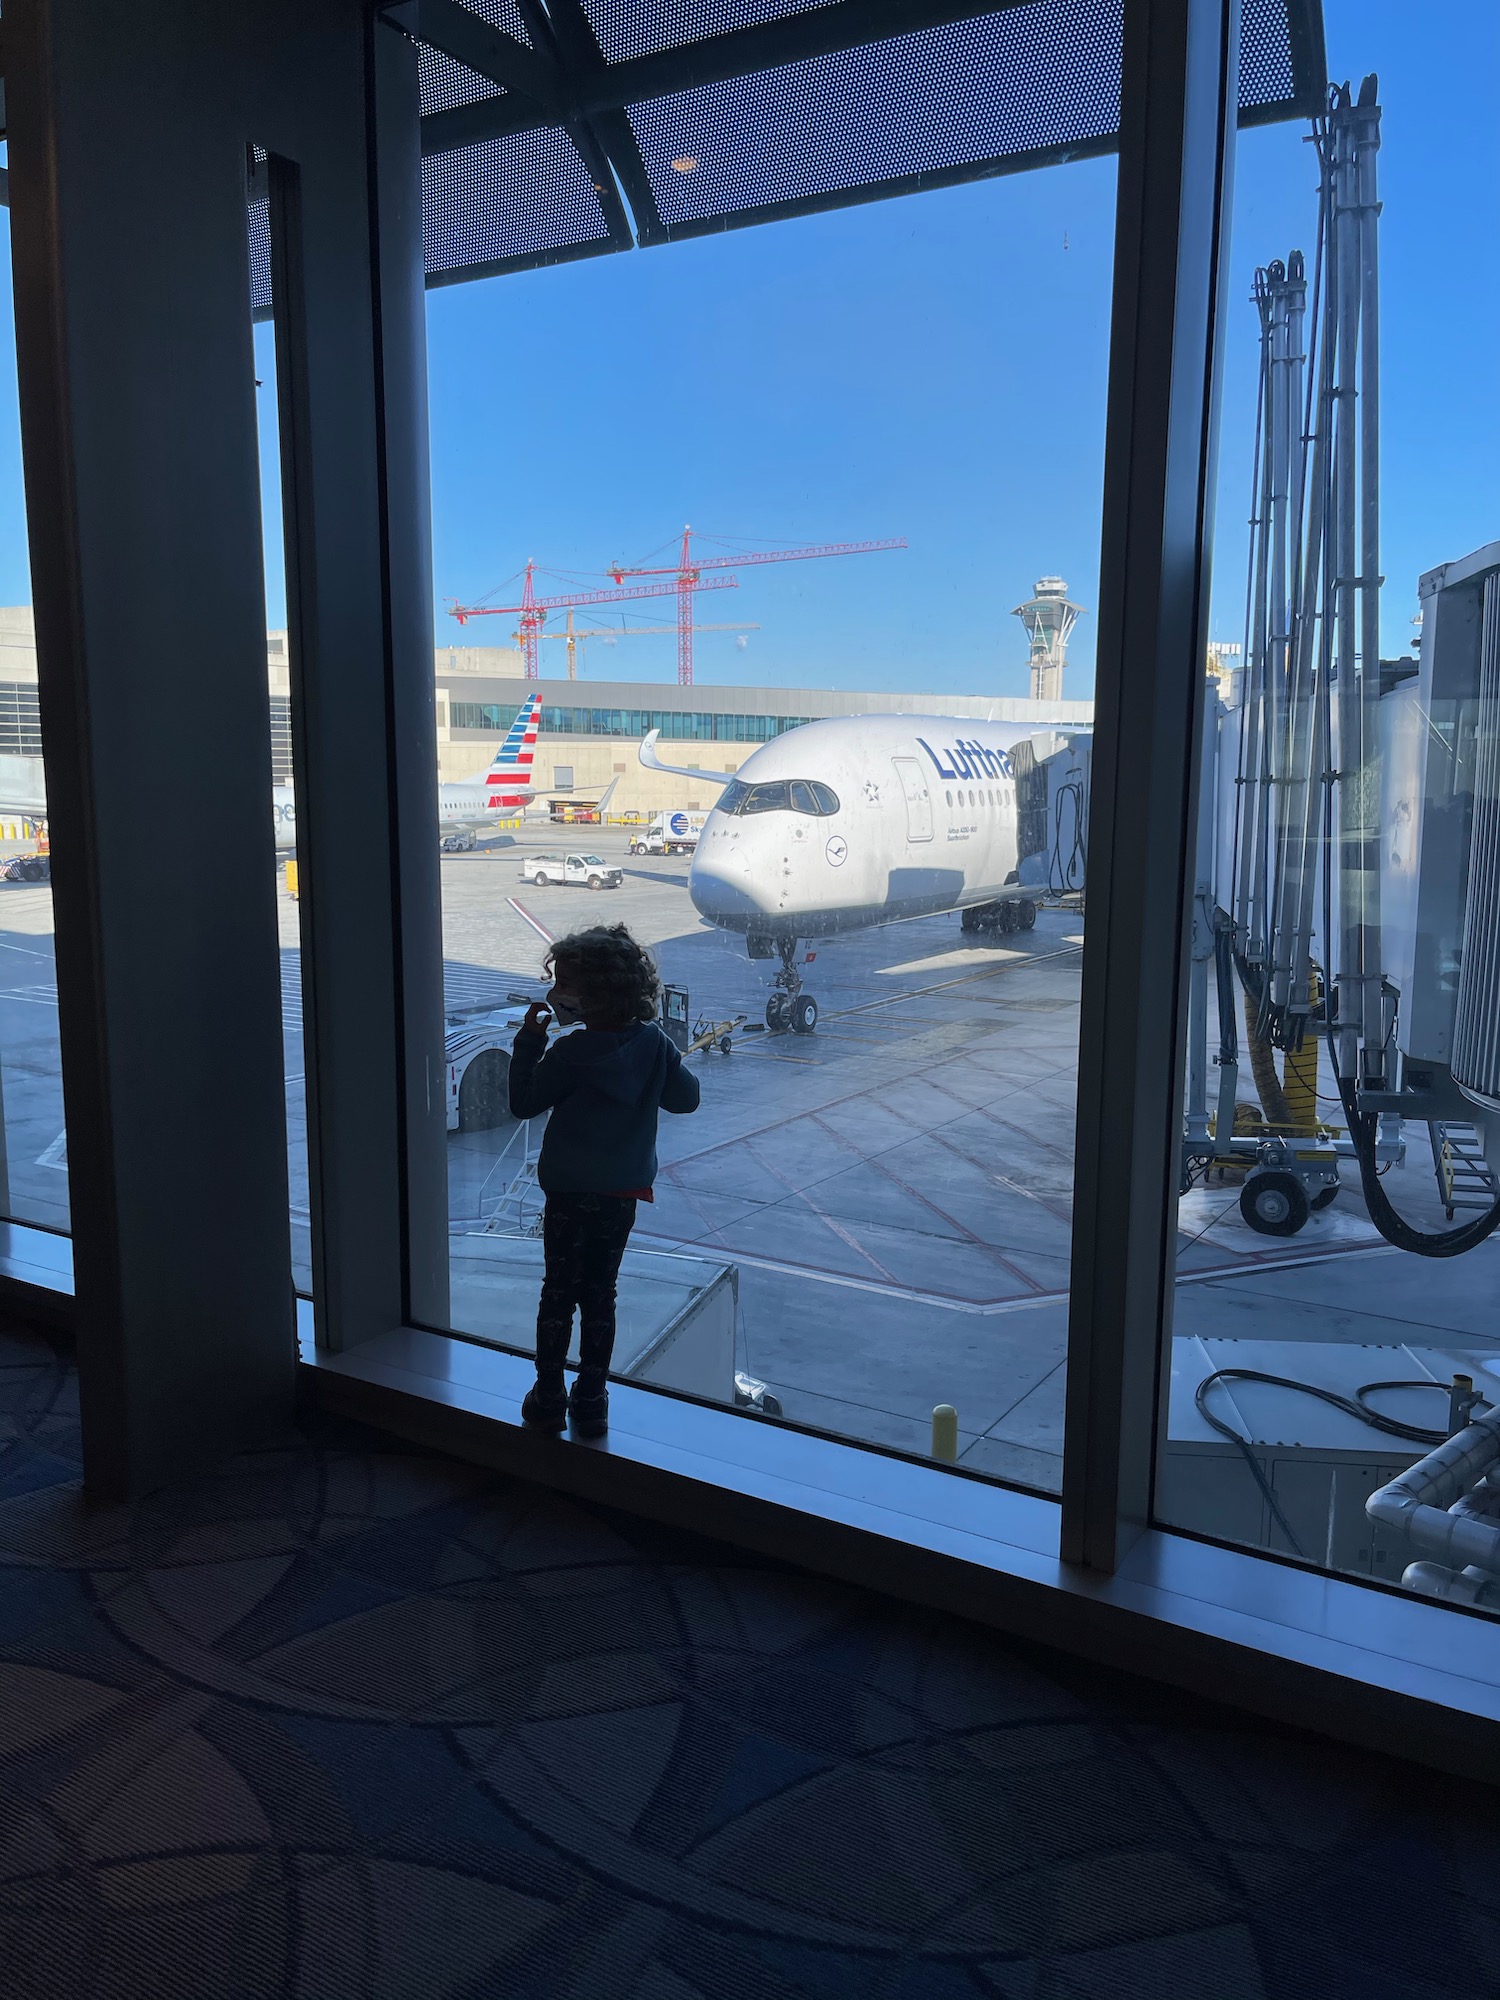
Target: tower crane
x: 625, y: 632
x: 687, y: 574
x: 532, y: 610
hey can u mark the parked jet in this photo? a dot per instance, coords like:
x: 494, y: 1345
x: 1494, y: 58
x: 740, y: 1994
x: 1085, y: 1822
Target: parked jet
x: 502, y: 792
x: 845, y: 823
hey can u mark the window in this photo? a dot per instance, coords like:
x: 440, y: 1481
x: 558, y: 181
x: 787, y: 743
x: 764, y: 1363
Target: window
x: 674, y: 724
x: 562, y: 777
x: 20, y: 721
x: 33, y: 1137
x: 870, y: 1214
x: 1343, y: 1065
x: 289, y: 904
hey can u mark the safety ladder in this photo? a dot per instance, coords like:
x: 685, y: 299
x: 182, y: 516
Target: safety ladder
x: 1465, y: 1177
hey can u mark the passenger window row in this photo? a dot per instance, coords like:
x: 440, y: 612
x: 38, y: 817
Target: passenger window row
x: 994, y: 795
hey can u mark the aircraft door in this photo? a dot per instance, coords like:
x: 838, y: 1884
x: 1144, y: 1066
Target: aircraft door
x: 918, y: 798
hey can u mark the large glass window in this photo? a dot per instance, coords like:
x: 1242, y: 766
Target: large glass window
x: 869, y: 928
x: 33, y: 1138
x: 282, y: 804
x: 1342, y: 1135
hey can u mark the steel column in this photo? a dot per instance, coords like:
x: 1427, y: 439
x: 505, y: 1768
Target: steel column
x: 139, y: 436
x: 1176, y: 156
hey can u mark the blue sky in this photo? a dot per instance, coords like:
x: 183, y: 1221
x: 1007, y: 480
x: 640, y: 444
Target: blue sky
x: 936, y: 368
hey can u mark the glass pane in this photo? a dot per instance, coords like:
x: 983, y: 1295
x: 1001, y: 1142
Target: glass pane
x: 284, y: 806
x: 33, y: 1140
x: 860, y: 873
x: 1336, y: 1282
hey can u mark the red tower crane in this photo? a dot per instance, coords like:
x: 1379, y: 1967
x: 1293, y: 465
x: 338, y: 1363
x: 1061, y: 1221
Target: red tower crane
x: 688, y: 574
x: 533, y: 609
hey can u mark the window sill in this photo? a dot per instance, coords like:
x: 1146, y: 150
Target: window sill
x: 1371, y: 1666
x: 36, y: 1272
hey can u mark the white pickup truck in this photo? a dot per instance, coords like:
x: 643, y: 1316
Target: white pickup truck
x: 574, y: 871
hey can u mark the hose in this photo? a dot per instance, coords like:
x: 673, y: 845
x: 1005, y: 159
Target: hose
x: 1063, y: 877
x: 1229, y: 1053
x: 1354, y: 1406
x: 1263, y: 1068
x: 1394, y: 1227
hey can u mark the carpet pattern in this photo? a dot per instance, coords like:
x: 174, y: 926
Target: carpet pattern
x: 348, y: 1720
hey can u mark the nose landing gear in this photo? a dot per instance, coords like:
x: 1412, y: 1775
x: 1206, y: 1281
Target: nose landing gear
x: 789, y: 1007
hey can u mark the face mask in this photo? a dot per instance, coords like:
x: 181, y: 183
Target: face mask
x: 565, y: 1016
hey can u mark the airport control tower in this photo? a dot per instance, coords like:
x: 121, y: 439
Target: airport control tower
x: 1049, y: 620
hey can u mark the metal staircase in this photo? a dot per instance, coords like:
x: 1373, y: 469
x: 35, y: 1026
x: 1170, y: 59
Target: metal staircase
x: 1465, y: 1177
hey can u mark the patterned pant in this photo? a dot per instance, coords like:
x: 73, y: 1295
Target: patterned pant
x: 584, y: 1237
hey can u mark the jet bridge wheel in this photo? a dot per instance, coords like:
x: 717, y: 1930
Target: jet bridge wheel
x: 1026, y: 915
x: 1274, y: 1202
x: 1325, y: 1195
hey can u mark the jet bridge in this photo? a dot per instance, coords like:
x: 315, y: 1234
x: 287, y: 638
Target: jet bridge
x: 1346, y: 917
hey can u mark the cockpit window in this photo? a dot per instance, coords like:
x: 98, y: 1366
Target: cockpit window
x: 767, y: 798
x: 803, y: 795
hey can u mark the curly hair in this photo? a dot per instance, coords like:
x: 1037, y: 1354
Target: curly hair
x: 615, y: 977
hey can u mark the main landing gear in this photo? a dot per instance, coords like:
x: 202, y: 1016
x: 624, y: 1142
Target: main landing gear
x: 789, y: 1007
x: 1013, y: 914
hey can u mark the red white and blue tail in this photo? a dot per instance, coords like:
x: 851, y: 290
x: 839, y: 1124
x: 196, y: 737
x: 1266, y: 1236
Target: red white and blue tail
x: 511, y: 767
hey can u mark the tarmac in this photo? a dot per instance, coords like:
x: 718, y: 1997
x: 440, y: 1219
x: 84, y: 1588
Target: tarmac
x: 894, y: 1192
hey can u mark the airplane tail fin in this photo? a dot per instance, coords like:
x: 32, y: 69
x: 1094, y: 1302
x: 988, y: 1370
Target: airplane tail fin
x: 513, y: 759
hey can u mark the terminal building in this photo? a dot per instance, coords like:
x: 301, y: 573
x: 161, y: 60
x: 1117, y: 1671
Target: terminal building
x: 591, y: 730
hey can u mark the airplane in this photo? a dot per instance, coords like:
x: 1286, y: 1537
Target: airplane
x: 501, y: 793
x: 906, y: 817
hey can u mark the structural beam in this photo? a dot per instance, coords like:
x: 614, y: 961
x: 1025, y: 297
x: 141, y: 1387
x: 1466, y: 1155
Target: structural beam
x: 1181, y: 61
x: 717, y: 59
x: 487, y: 50
x: 142, y: 464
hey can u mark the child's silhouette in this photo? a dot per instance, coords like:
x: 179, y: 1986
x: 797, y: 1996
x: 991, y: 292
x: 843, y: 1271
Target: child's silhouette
x: 604, y: 1085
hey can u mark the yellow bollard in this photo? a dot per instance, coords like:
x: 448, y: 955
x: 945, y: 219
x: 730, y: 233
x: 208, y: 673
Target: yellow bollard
x: 945, y: 1432
x: 291, y: 879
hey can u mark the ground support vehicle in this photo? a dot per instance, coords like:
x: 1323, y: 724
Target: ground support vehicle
x: 669, y: 833
x: 573, y: 871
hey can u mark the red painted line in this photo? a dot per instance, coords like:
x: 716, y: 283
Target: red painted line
x: 526, y: 917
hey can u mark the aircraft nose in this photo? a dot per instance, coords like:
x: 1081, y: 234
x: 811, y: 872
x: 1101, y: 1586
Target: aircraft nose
x: 721, y: 884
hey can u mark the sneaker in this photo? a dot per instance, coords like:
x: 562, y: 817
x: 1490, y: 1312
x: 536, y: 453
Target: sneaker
x: 542, y: 1412
x: 589, y: 1414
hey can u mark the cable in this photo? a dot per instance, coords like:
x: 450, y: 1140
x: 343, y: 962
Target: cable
x: 1394, y: 1227
x: 1354, y: 1406
x: 1061, y: 879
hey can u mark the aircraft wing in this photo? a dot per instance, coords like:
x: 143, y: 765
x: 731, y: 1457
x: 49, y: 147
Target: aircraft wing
x: 652, y: 762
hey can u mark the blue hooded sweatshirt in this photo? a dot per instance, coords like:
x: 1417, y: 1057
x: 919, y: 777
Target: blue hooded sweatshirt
x: 603, y: 1089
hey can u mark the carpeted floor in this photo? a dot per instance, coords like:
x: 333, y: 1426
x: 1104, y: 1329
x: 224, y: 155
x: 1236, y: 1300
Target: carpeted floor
x: 344, y: 1720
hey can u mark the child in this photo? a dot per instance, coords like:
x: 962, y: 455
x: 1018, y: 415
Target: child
x: 603, y: 1087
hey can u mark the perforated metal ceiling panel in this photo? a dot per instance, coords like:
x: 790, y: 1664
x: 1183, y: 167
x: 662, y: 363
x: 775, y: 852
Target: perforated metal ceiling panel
x: 626, y: 28
x: 708, y: 114
x: 515, y: 200
x: 447, y: 84
x: 1002, y: 88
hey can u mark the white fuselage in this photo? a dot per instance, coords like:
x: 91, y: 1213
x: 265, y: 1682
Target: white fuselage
x: 458, y: 806
x: 925, y: 820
